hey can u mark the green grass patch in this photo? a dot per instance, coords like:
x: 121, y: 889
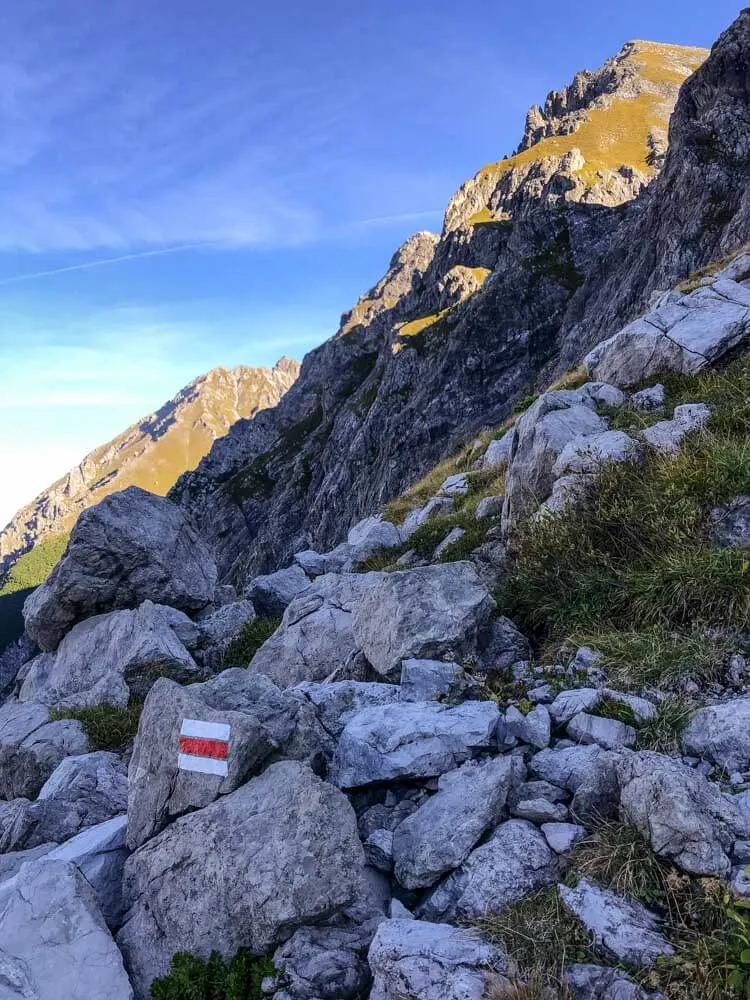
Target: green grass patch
x: 107, y: 727
x: 192, y: 978
x: 254, y: 633
x: 663, y: 732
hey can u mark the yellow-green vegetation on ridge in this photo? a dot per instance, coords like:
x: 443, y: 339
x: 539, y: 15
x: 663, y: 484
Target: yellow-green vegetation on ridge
x: 415, y: 326
x: 617, y: 134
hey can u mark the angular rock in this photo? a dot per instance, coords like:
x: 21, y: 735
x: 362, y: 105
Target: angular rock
x: 425, y: 680
x: 597, y: 982
x: 562, y: 837
x: 425, y: 613
x: 490, y: 507
x: 455, y: 486
x: 540, y: 435
x: 591, y: 453
x: 211, y: 880
x: 219, y: 628
x: 99, y: 853
x: 371, y: 536
x: 539, y: 811
x: 730, y: 525
x: 682, y: 815
x: 440, y: 834
x: 311, y: 562
x: 262, y: 721
x: 571, y: 702
x: 649, y: 400
x: 607, y: 733
x: 130, y: 548
x: 721, y: 733
x: 587, y: 771
x: 315, y: 637
x: 411, y: 740
x: 512, y: 864
x: 379, y: 850
x: 271, y: 595
x: 498, y: 452
x: 55, y: 943
x: 624, y: 928
x: 24, y: 767
x: 502, y: 645
x: 453, y: 536
x: 436, y: 507
x: 329, y: 963
x: 603, y: 393
x: 427, y: 961
x: 666, y: 436
x: 109, y: 658
x: 532, y: 728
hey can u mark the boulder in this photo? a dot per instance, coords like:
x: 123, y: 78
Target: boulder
x: 328, y: 963
x: 649, y: 400
x: 498, y: 452
x: 379, y: 850
x: 130, y: 548
x: 501, y: 646
x: 426, y: 961
x: 666, y: 436
x: 533, y: 728
x: 512, y: 864
x: 218, y: 628
x: 603, y: 394
x: 607, y: 733
x: 591, y: 453
x: 730, y: 525
x: 315, y: 637
x: 411, y: 740
x: 262, y: 720
x: 212, y: 880
x: 311, y: 562
x: 440, y: 834
x: 680, y: 813
x: 335, y: 703
x: 99, y: 853
x: 55, y: 944
x: 436, y: 507
x: 453, y: 536
x: 455, y: 486
x: 271, y: 595
x: 539, y: 811
x: 721, y: 733
x: 540, y: 435
x: 490, y: 507
x: 425, y: 680
x: 562, y: 837
x: 371, y: 536
x: 622, y: 927
x: 31, y: 747
x: 109, y: 658
x: 569, y: 703
x: 12, y: 658
x: 588, y: 772
x: 597, y: 982
x: 681, y: 333
x: 429, y: 612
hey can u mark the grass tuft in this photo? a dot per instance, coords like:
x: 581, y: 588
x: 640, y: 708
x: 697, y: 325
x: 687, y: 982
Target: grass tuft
x: 254, y: 633
x: 193, y: 978
x: 107, y: 726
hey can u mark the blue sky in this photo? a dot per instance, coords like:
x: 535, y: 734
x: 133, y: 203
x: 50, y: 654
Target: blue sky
x: 186, y: 184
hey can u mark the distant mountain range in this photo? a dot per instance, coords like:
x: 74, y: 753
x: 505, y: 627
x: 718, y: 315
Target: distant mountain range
x: 151, y: 454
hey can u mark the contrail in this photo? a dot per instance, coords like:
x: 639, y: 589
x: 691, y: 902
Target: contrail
x: 86, y: 265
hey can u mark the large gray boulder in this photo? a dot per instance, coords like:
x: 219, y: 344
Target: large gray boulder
x: 412, y: 740
x: 109, y: 658
x: 31, y: 747
x: 512, y: 864
x: 262, y: 721
x: 272, y: 594
x: 328, y: 963
x: 99, y: 853
x: 339, y: 701
x: 540, y: 435
x: 432, y: 961
x: 682, y: 815
x: 721, y: 733
x: 131, y: 547
x: 440, y: 834
x: 54, y: 942
x: 280, y: 852
x: 431, y: 612
x: 315, y: 637
x: 370, y: 536
x: 82, y: 792
x: 624, y: 928
x: 681, y: 333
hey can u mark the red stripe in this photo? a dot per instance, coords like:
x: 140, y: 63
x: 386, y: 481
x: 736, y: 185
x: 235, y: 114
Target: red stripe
x: 217, y: 749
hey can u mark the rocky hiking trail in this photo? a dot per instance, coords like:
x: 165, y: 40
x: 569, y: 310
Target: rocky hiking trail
x: 494, y: 743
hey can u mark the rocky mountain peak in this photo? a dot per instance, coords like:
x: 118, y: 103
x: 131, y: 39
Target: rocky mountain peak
x: 153, y: 452
x: 599, y: 140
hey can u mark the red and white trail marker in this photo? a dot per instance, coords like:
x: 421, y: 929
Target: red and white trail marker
x: 204, y: 746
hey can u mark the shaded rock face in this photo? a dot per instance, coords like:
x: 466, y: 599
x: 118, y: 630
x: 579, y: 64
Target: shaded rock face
x: 407, y: 379
x: 211, y: 880
x: 130, y: 548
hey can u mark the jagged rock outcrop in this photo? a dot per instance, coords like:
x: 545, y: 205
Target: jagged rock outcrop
x: 412, y: 374
x: 152, y: 453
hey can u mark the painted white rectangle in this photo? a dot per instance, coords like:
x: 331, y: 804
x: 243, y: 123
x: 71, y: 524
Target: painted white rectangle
x: 206, y: 765
x: 205, y: 730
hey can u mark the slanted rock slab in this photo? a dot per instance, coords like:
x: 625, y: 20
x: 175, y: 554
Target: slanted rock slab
x: 721, y: 733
